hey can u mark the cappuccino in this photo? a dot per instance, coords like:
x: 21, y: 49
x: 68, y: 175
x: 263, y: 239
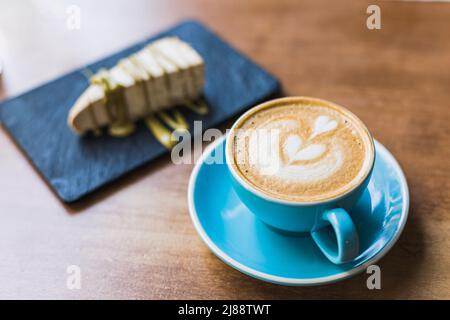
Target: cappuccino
x: 301, y: 149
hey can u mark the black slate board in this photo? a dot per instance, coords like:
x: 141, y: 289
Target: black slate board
x: 75, y: 166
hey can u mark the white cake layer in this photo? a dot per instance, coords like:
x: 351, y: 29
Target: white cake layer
x: 163, y: 74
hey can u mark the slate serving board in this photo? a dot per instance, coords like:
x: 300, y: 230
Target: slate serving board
x: 74, y: 166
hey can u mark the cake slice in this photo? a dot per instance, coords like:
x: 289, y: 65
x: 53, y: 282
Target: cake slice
x: 169, y: 50
x: 165, y: 73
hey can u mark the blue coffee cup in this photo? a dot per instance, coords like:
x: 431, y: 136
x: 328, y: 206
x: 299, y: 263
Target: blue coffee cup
x: 329, y: 221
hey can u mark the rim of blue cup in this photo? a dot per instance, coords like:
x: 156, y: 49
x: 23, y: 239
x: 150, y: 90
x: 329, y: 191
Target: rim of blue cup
x: 271, y: 103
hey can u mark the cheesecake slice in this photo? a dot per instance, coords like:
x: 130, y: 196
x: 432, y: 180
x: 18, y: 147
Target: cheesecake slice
x: 165, y: 73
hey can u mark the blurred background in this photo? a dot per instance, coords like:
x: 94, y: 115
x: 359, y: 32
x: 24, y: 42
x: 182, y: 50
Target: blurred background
x: 134, y: 238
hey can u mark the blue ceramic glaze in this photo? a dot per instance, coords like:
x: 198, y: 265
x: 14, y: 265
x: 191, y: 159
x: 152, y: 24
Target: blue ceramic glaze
x: 241, y: 240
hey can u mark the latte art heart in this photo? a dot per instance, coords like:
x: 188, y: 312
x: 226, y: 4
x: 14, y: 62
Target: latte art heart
x: 294, y: 150
x: 301, y: 152
x: 309, y: 153
x: 298, y: 160
x: 323, y: 124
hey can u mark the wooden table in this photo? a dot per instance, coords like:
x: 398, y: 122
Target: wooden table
x: 134, y: 239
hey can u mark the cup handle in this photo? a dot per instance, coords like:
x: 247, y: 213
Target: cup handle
x: 344, y: 246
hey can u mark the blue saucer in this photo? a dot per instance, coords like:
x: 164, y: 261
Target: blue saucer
x: 232, y: 232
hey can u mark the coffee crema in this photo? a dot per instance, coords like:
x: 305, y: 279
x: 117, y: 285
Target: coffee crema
x: 301, y: 149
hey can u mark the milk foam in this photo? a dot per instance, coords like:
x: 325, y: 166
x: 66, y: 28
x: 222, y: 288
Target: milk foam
x: 302, y: 152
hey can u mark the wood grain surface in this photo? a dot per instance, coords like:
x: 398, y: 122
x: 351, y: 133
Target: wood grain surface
x: 134, y: 239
